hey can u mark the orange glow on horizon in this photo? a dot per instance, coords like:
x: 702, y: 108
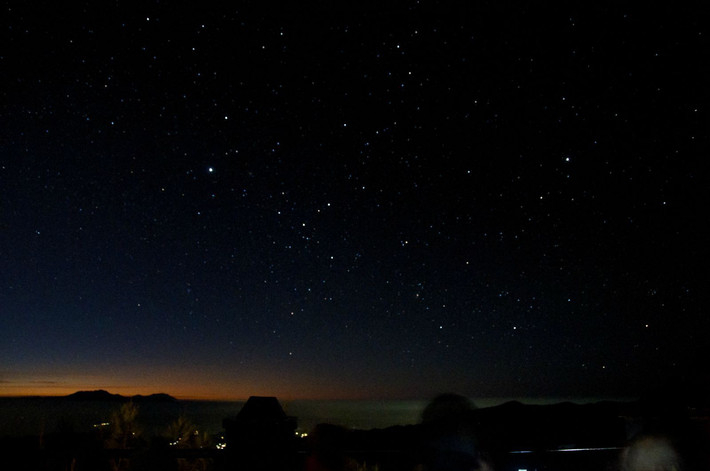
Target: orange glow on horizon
x: 196, y: 382
x: 183, y: 393
x: 208, y: 391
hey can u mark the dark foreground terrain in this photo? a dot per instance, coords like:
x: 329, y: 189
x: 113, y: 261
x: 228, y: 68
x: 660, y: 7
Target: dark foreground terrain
x: 512, y: 436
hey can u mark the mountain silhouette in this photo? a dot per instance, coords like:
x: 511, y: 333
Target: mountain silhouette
x: 102, y: 395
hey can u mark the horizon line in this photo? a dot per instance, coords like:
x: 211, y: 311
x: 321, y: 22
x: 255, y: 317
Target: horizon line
x: 497, y: 399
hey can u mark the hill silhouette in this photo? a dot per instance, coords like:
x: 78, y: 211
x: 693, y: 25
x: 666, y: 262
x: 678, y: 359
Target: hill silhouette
x: 102, y: 395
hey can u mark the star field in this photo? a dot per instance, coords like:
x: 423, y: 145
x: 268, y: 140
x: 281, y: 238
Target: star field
x: 353, y: 201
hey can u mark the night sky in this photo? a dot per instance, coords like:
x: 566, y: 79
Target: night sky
x: 353, y: 202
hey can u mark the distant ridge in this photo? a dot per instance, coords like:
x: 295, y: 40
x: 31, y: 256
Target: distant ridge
x: 537, y: 428
x: 102, y: 395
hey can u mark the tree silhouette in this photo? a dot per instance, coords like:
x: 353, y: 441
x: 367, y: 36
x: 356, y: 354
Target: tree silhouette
x: 182, y: 433
x: 123, y: 427
x: 124, y: 433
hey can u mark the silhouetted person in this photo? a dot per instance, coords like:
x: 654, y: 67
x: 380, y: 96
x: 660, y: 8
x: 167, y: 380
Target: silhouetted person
x: 450, y: 440
x: 651, y: 453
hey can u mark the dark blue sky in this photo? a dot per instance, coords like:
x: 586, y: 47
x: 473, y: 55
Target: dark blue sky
x: 353, y: 202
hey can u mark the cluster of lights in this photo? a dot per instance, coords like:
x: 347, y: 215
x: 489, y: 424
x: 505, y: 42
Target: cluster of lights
x: 102, y: 424
x: 179, y: 439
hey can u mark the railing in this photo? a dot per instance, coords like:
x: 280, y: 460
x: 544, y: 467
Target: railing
x: 212, y: 459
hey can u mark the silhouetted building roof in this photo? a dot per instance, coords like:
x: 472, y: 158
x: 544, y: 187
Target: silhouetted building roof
x: 261, y: 409
x: 260, y: 417
x: 261, y: 436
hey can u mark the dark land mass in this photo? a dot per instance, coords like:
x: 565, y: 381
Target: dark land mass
x: 101, y: 395
x: 514, y: 435
x: 558, y: 436
x: 514, y: 426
